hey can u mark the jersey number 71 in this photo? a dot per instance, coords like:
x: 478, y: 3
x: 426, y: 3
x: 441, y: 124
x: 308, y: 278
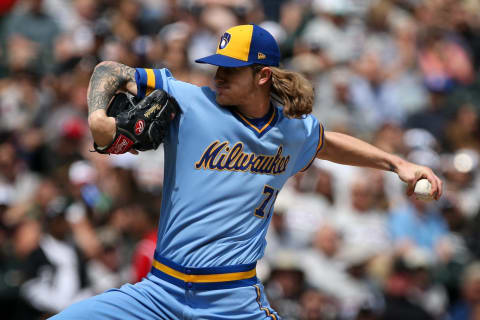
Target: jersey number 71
x: 269, y: 193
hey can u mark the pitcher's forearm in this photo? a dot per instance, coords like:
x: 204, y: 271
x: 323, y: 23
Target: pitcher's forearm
x: 345, y: 149
x: 107, y: 78
x: 103, y: 128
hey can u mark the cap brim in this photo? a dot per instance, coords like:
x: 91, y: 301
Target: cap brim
x: 223, y: 61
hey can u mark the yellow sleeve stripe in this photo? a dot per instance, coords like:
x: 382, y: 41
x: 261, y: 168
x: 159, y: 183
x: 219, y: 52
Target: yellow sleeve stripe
x: 150, y: 81
x: 319, y: 147
x: 220, y: 277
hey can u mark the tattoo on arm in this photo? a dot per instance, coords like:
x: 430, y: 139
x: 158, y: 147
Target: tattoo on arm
x: 106, y: 79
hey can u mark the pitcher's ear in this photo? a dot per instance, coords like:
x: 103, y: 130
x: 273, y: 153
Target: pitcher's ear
x: 265, y: 74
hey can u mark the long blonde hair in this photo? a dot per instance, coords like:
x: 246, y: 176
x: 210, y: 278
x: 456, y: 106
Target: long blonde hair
x: 292, y: 90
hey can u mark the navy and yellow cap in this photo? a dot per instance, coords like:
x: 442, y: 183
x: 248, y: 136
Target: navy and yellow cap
x: 245, y: 45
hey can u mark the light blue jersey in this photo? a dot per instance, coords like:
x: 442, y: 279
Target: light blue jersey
x: 223, y: 173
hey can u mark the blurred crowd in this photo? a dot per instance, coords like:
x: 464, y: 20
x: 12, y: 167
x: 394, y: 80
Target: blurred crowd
x: 344, y: 243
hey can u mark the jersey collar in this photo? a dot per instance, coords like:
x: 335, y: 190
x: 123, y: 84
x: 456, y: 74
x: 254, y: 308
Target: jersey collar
x: 259, y: 126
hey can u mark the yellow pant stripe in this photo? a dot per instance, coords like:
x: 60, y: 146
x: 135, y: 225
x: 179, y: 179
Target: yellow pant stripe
x: 221, y: 277
x: 266, y: 310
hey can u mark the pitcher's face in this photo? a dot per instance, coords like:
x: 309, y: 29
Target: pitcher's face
x: 233, y: 85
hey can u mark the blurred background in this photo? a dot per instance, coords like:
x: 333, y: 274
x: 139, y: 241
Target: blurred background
x: 344, y: 243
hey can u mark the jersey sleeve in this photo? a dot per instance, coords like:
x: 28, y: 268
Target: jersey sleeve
x: 314, y: 142
x: 150, y: 79
x: 186, y: 94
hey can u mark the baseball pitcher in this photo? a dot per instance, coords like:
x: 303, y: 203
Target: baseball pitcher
x: 228, y: 152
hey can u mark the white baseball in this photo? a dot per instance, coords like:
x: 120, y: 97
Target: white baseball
x: 422, y: 190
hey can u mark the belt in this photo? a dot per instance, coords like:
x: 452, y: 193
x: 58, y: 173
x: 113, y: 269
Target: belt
x: 209, y: 278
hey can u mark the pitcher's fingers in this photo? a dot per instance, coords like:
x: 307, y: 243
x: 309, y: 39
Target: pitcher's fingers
x: 433, y: 182
x: 410, y: 188
x: 440, y: 188
x: 436, y: 183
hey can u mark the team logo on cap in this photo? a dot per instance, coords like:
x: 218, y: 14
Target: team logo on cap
x: 224, y: 40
